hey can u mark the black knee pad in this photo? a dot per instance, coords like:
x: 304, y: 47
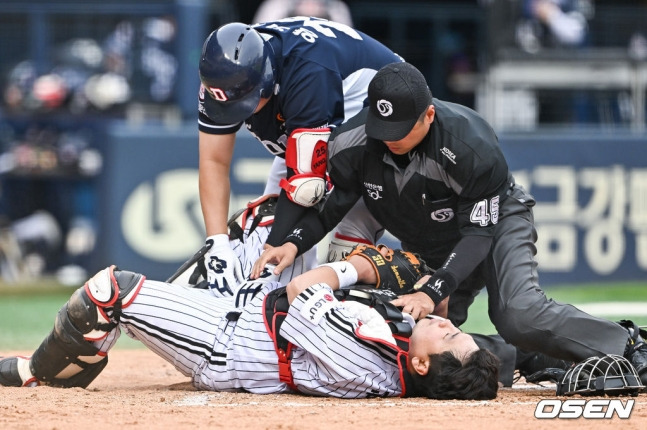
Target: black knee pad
x: 129, y: 285
x: 57, y: 359
x: 67, y: 356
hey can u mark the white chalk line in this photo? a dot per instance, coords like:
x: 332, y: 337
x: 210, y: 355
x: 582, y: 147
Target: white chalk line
x: 602, y: 309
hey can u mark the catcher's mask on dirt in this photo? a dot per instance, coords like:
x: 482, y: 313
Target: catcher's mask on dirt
x: 236, y: 70
x: 612, y: 375
x: 397, y: 271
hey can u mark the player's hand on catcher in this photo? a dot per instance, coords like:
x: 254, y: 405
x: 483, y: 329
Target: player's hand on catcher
x: 419, y: 305
x: 281, y: 256
x: 224, y: 271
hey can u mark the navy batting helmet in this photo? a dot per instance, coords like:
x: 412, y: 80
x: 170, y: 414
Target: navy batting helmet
x: 237, y: 70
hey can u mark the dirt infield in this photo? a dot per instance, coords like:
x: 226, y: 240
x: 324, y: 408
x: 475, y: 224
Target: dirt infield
x: 138, y: 390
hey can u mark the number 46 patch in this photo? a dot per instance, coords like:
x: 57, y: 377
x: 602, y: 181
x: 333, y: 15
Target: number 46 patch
x: 483, y: 213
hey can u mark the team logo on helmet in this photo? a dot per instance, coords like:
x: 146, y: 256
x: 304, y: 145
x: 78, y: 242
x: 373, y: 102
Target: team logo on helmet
x: 218, y: 94
x: 384, y: 107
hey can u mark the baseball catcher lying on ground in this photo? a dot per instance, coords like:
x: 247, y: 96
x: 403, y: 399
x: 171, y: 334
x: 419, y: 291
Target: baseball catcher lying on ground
x: 307, y: 337
x: 315, y: 336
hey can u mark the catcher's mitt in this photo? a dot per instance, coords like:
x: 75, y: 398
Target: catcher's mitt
x: 398, y: 271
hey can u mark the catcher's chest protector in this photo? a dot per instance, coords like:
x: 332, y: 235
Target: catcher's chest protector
x: 276, y: 307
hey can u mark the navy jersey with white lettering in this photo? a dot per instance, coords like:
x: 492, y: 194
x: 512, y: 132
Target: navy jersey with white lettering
x: 323, y: 71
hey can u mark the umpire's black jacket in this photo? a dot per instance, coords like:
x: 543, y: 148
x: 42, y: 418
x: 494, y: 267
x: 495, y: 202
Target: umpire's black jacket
x: 453, y: 201
x: 442, y: 198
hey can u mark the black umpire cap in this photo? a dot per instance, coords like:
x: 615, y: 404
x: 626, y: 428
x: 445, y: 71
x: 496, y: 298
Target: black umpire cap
x: 397, y: 95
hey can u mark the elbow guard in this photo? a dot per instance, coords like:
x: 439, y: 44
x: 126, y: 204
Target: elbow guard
x: 307, y: 155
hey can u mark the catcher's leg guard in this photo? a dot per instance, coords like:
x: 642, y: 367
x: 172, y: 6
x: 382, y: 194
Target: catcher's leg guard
x: 67, y: 357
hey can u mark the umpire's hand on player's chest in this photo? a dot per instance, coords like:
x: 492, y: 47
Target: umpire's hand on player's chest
x: 418, y: 305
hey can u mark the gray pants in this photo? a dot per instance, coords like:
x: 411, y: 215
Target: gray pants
x: 517, y: 306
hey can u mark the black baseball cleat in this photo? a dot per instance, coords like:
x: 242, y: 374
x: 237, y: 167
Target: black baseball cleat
x: 636, y: 350
x: 10, y: 372
x: 9, y: 376
x: 531, y: 363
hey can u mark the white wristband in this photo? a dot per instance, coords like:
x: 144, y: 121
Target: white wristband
x: 346, y: 273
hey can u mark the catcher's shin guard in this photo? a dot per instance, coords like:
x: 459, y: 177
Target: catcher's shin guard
x: 67, y: 357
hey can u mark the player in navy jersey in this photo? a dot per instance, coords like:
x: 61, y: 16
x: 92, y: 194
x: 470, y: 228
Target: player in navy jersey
x: 289, y: 82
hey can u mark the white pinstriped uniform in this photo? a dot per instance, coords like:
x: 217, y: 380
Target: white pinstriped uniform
x: 189, y: 328
x: 249, y: 250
